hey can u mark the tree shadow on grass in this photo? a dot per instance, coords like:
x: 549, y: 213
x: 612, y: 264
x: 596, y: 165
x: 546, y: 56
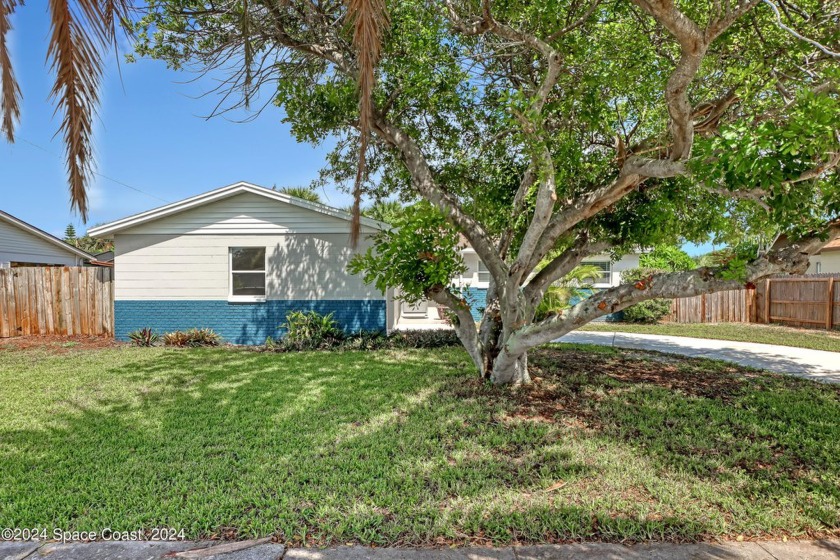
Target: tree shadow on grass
x: 767, y: 440
x: 317, y: 448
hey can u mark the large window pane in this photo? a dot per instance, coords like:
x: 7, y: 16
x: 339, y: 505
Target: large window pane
x: 248, y: 258
x: 248, y: 284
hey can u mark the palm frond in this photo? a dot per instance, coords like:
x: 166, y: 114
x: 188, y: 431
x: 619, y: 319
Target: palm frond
x: 10, y: 90
x: 78, y: 41
x: 370, y: 20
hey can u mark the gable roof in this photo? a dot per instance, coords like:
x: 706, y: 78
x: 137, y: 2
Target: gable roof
x: 221, y: 194
x: 29, y: 228
x: 832, y: 245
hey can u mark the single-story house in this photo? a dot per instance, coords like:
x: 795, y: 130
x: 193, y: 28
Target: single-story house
x: 237, y: 259
x: 22, y: 244
x: 827, y: 260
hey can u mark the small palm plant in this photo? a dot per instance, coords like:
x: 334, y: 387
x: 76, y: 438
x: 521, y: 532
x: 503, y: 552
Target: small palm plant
x: 143, y: 337
x: 575, y: 285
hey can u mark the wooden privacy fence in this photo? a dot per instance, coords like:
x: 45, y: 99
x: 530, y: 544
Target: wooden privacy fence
x: 812, y: 300
x: 56, y: 300
x: 731, y: 306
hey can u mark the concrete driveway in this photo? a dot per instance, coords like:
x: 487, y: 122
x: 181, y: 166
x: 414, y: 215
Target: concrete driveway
x: 818, y: 365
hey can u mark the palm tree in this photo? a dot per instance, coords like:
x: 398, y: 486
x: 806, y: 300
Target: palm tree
x: 81, y: 32
x: 575, y: 285
x: 301, y: 192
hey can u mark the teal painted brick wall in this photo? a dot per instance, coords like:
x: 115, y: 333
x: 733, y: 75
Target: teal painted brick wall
x: 240, y: 323
x: 477, y: 299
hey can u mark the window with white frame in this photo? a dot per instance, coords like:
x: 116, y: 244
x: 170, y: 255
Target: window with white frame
x: 604, y: 271
x: 247, y: 272
x: 483, y: 273
x: 819, y: 267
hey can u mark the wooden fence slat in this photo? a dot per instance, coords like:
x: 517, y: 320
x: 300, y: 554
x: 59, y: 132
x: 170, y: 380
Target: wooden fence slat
x: 48, y: 301
x: 10, y: 303
x: 4, y: 308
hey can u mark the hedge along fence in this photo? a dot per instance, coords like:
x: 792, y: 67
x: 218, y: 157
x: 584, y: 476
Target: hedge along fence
x: 811, y: 301
x: 56, y: 300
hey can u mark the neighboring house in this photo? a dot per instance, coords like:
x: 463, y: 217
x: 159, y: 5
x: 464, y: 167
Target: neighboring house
x: 237, y: 260
x: 22, y: 244
x: 106, y: 258
x: 476, y: 280
x: 827, y: 260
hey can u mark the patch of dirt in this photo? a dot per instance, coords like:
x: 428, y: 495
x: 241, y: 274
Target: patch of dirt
x: 676, y: 373
x: 58, y: 344
x: 567, y: 384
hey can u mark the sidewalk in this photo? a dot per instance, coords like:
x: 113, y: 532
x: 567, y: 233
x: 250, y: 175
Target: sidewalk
x: 767, y: 550
x: 817, y: 365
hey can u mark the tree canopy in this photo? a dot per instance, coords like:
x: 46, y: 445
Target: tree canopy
x: 552, y: 130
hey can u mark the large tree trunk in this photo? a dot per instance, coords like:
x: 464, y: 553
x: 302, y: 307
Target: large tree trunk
x: 510, y: 370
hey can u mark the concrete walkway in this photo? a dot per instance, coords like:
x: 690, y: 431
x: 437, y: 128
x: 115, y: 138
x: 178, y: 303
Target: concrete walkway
x: 767, y: 550
x: 818, y: 365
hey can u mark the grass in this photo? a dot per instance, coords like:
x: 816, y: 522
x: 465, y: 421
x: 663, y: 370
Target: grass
x: 407, y: 447
x: 741, y: 332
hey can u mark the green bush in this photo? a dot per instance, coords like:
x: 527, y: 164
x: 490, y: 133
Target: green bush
x: 650, y: 311
x: 433, y: 338
x: 192, y: 338
x: 143, y: 337
x: 311, y: 330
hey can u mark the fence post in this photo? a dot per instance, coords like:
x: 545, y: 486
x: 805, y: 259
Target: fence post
x: 829, y: 304
x: 767, y: 301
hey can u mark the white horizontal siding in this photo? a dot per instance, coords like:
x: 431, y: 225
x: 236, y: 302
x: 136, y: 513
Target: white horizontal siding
x: 829, y: 262
x: 245, y: 214
x: 299, y: 266
x: 18, y: 245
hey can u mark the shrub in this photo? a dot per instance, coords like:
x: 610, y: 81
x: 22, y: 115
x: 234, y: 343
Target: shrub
x: 433, y: 338
x: 311, y: 329
x: 367, y: 340
x: 143, y: 337
x: 650, y: 311
x: 192, y: 338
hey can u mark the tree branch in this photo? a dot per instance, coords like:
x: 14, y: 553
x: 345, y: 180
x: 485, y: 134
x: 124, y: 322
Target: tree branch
x: 791, y: 258
x: 633, y: 173
x: 560, y: 266
x: 426, y: 185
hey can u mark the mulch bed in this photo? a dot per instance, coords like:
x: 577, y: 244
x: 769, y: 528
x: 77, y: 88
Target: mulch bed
x: 58, y: 344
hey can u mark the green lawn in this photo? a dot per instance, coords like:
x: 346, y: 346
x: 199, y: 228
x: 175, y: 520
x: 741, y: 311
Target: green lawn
x: 741, y: 332
x: 406, y: 447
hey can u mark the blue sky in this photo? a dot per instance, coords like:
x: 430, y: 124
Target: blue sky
x: 151, y: 137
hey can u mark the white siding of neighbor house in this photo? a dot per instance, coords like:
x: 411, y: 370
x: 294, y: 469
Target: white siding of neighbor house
x: 470, y: 277
x: 18, y: 245
x: 829, y: 262
x: 245, y: 213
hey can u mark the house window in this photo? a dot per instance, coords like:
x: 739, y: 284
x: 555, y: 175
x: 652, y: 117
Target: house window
x: 483, y: 273
x: 819, y: 267
x: 605, y: 271
x: 247, y: 273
